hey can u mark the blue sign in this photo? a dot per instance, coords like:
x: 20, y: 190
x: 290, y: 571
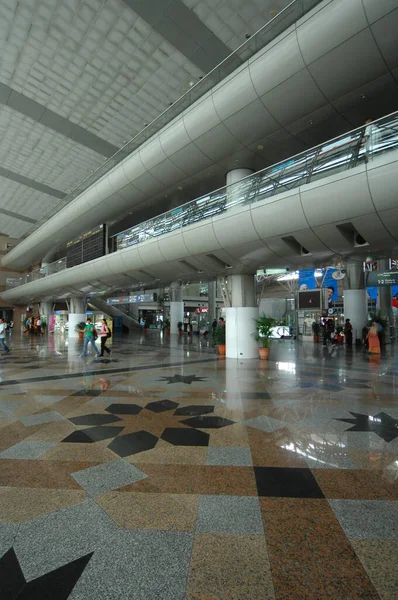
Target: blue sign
x: 330, y: 283
x: 307, y: 279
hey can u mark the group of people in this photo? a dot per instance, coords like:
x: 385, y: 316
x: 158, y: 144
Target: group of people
x: 33, y: 325
x: 90, y: 336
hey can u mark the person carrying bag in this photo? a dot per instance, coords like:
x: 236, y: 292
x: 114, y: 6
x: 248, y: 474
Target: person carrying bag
x: 105, y: 333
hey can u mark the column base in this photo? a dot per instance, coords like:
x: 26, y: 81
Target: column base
x: 241, y: 331
x: 73, y: 320
x: 356, y: 309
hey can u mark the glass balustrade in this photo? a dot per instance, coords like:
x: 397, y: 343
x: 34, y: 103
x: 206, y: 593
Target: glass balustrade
x: 287, y: 17
x: 340, y: 154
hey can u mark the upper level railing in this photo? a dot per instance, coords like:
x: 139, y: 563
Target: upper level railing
x: 287, y: 17
x: 335, y: 156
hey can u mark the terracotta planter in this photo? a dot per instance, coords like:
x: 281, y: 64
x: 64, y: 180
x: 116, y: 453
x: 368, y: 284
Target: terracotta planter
x: 221, y: 348
x: 167, y: 331
x: 81, y: 335
x: 316, y: 339
x: 264, y: 353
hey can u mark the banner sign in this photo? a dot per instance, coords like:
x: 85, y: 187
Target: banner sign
x: 381, y: 278
x: 330, y: 283
x: 307, y: 279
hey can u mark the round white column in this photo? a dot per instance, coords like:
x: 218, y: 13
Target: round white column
x: 176, y: 315
x: 77, y: 313
x: 240, y: 325
x: 176, y: 306
x: 240, y: 332
x: 356, y: 309
x: 236, y: 175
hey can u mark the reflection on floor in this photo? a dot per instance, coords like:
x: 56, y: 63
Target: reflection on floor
x: 168, y: 473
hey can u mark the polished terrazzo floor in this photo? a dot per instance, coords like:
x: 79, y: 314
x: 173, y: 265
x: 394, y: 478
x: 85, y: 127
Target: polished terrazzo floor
x: 168, y: 473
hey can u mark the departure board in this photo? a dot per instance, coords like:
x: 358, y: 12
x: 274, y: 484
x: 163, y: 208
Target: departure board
x: 88, y: 246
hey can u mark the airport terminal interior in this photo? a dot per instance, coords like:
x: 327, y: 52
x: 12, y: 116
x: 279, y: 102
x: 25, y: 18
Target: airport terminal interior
x: 198, y: 300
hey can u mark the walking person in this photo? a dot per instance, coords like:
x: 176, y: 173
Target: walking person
x: 2, y: 335
x: 89, y: 336
x: 373, y: 339
x: 38, y: 325
x: 348, y: 332
x: 104, y: 334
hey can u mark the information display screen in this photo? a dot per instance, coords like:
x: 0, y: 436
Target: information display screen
x: 310, y: 300
x: 88, y: 246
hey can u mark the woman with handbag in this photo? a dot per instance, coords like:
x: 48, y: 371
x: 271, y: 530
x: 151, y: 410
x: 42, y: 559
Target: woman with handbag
x: 105, y: 333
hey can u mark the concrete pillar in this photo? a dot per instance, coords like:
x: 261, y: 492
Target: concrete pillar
x: 212, y: 301
x: 240, y: 326
x: 176, y: 306
x: 355, y: 299
x: 45, y: 310
x: 235, y: 191
x: 385, y: 294
x: 77, y: 313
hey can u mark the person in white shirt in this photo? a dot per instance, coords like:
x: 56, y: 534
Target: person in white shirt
x: 2, y: 335
x: 38, y: 325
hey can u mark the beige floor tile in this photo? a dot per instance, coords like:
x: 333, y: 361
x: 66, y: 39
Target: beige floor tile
x: 165, y: 453
x: 229, y: 567
x: 380, y: 560
x: 97, y: 452
x: 19, y: 504
x: 176, y: 512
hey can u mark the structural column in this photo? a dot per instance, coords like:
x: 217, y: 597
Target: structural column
x: 235, y: 191
x: 355, y: 299
x: 385, y: 295
x: 45, y: 310
x: 240, y: 325
x: 176, y: 306
x: 212, y: 295
x: 77, y: 313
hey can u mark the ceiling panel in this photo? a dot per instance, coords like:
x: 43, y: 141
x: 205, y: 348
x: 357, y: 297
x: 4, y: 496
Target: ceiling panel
x: 231, y: 20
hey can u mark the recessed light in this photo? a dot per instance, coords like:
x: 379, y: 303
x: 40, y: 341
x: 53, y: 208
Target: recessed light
x: 180, y: 188
x: 247, y: 35
x: 260, y: 147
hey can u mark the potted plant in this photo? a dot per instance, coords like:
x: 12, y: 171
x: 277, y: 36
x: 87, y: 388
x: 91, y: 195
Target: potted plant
x: 219, y: 338
x: 166, y: 325
x: 339, y: 337
x: 316, y: 328
x: 80, y: 328
x: 264, y: 327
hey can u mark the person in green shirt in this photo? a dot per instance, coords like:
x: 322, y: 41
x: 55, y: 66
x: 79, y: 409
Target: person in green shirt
x: 89, y: 337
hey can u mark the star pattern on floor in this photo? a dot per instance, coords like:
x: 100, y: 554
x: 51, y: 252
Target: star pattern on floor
x: 125, y: 442
x: 187, y: 379
x: 382, y: 424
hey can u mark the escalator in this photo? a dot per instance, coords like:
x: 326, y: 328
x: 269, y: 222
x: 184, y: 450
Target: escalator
x: 129, y: 321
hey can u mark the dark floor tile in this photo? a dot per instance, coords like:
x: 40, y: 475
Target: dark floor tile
x: 85, y: 392
x: 208, y: 422
x: 56, y: 584
x: 255, y: 395
x: 133, y: 443
x: 194, y: 410
x: 124, y: 409
x: 97, y: 434
x: 161, y: 406
x: 285, y: 482
x: 94, y: 419
x: 185, y: 437
x: 78, y: 437
x: 12, y: 579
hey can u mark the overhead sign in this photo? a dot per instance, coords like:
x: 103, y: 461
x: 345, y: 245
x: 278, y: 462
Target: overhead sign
x: 381, y: 278
x: 133, y: 299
